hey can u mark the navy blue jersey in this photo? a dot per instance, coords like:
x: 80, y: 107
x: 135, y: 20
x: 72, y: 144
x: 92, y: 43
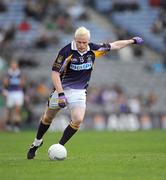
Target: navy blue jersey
x: 74, y: 67
x: 14, y: 80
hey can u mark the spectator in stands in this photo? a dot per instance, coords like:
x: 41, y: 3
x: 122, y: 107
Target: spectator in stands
x: 24, y: 26
x: 10, y: 33
x: 64, y: 22
x: 36, y: 9
x: 122, y: 103
x: 27, y: 61
x: 43, y: 41
x: 93, y: 95
x: 163, y: 4
x: 7, y: 34
x: 146, y: 121
x: 42, y: 90
x: 30, y: 9
x: 125, y: 5
x: 163, y: 121
x: 159, y: 24
x: 3, y: 7
x: 154, y: 3
x: 78, y: 11
x: 134, y: 105
x: 151, y: 100
x: 99, y: 122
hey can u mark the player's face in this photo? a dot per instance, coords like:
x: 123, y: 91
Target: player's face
x: 14, y: 65
x: 82, y: 42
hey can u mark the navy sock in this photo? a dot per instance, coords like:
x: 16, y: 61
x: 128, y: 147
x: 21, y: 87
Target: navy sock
x: 67, y: 134
x: 42, y: 130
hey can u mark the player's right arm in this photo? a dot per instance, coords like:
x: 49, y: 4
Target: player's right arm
x: 58, y: 86
x: 57, y: 81
x: 56, y: 72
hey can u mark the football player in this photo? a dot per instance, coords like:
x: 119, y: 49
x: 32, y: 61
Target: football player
x: 13, y: 83
x: 71, y: 73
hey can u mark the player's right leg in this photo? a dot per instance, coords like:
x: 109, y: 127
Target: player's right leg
x: 9, y: 119
x: 50, y: 112
x: 42, y: 129
x: 9, y: 111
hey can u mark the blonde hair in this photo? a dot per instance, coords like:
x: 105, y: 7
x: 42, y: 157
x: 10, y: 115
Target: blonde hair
x: 82, y: 31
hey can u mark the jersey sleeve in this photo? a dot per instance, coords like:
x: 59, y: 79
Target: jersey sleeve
x: 59, y: 61
x: 100, y: 49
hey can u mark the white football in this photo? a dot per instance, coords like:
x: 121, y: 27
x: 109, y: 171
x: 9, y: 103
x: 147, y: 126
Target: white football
x: 57, y: 152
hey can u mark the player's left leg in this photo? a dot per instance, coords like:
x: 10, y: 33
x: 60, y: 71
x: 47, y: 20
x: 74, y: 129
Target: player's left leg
x: 77, y: 104
x: 18, y: 100
x: 17, y: 118
x: 77, y: 116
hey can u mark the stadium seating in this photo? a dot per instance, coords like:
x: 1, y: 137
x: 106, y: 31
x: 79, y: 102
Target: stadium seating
x: 140, y: 23
x: 15, y: 15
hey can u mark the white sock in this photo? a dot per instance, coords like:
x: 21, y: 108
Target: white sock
x: 37, y: 142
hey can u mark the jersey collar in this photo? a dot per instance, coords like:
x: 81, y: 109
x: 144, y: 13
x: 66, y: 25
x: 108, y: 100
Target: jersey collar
x: 73, y: 47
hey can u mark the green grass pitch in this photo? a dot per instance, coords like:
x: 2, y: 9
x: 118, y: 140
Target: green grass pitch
x: 91, y: 156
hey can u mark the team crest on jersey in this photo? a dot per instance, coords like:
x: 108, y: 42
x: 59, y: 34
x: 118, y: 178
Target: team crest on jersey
x: 81, y: 59
x: 59, y: 59
x: 74, y: 60
x: 89, y: 58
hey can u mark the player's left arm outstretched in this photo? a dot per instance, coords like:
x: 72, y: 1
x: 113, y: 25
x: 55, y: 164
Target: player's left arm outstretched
x: 116, y: 45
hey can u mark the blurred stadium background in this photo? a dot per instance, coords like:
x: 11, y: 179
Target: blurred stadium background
x: 127, y: 89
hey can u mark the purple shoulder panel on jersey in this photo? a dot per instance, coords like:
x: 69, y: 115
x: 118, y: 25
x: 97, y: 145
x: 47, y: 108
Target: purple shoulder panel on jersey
x: 100, y: 47
x: 60, y: 60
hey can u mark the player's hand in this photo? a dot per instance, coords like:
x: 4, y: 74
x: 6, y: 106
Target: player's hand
x: 62, y: 101
x: 138, y: 40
